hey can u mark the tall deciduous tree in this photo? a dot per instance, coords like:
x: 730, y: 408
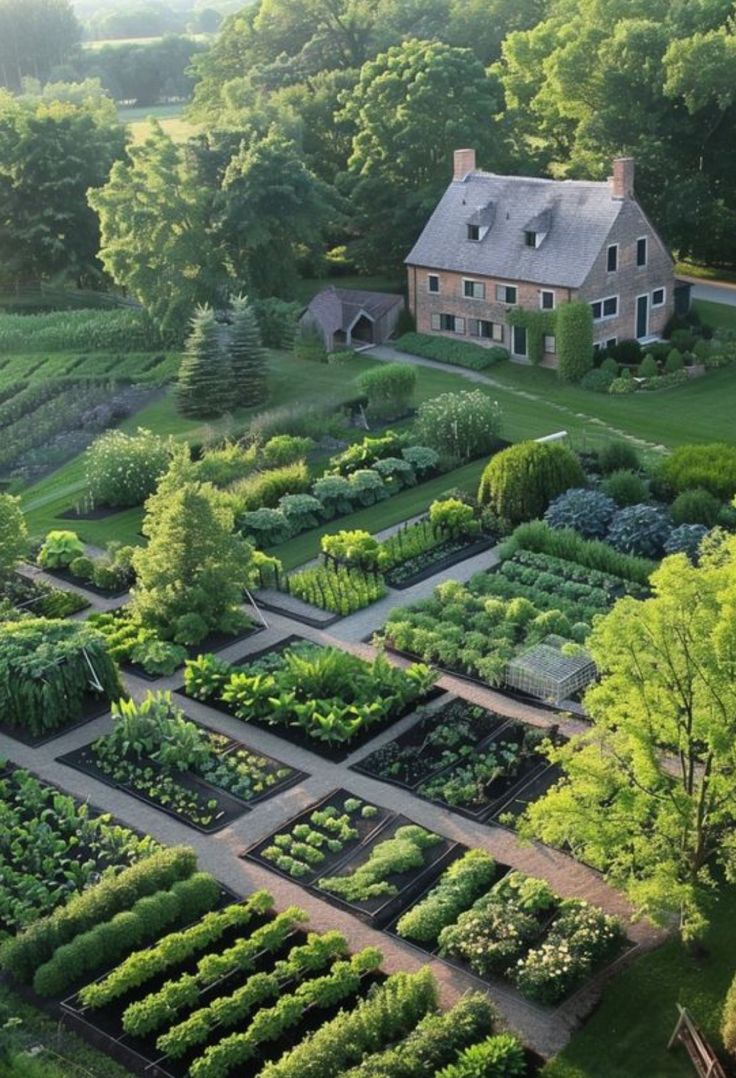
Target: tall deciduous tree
x: 51, y: 152
x: 35, y: 37
x: 247, y: 355
x: 649, y: 794
x: 411, y: 107
x: 272, y: 205
x: 205, y: 388
x: 194, y: 567
x: 157, y: 234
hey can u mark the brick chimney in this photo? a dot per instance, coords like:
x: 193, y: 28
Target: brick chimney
x: 464, y: 163
x: 622, y: 181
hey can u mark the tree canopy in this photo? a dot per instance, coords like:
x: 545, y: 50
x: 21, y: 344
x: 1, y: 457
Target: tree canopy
x: 649, y: 794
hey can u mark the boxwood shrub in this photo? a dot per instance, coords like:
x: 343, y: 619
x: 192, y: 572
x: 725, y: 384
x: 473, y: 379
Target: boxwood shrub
x: 457, y: 353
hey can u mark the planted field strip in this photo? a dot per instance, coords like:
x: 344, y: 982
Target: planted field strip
x: 168, y: 1010
x: 185, y: 795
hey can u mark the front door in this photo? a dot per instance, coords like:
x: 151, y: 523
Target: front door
x: 642, y: 317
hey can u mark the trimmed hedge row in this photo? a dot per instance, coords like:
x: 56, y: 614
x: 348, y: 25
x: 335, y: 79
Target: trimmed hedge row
x: 463, y: 882
x: 113, y: 939
x: 456, y: 353
x: 23, y: 955
x: 172, y: 950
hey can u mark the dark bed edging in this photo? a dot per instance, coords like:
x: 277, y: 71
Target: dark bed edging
x: 441, y: 564
x: 93, y: 710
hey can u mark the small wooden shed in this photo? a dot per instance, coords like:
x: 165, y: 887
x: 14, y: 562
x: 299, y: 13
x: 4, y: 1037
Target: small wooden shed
x: 349, y: 317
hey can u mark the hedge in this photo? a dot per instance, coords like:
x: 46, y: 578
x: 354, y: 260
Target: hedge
x: 574, y: 340
x: 23, y: 955
x: 458, y: 888
x: 114, y: 939
x: 520, y: 482
x: 456, y: 353
x: 711, y: 467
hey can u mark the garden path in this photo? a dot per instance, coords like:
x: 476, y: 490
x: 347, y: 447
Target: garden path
x: 544, y: 1030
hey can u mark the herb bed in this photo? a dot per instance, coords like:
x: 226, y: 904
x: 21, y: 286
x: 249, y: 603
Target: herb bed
x: 203, y: 803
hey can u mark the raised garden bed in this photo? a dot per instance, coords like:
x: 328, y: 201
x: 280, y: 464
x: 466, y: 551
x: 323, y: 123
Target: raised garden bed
x: 444, y: 734
x: 34, y: 858
x: 195, y: 799
x: 93, y: 707
x: 345, y: 832
x: 334, y: 748
x: 40, y: 599
x: 86, y: 585
x: 511, y: 931
x: 100, y: 512
x: 215, y: 642
x: 478, y: 785
x: 436, y: 560
x: 351, y: 827
x: 280, y: 602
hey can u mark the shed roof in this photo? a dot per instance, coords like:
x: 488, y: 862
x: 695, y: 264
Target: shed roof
x: 337, y: 308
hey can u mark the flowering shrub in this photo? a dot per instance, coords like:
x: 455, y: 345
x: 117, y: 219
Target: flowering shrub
x: 463, y: 425
x: 580, y: 938
x: 123, y: 469
x: 491, y: 936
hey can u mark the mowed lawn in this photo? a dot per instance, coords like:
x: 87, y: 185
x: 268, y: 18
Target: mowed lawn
x: 627, y: 1035
x: 171, y: 118
x: 296, y: 383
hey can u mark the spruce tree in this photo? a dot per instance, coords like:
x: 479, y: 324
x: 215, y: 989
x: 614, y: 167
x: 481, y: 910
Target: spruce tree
x: 246, y: 354
x: 205, y: 387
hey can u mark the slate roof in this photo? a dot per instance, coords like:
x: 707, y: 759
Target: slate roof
x: 579, y: 215
x: 337, y: 308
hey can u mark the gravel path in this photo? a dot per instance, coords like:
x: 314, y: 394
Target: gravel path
x: 544, y: 1030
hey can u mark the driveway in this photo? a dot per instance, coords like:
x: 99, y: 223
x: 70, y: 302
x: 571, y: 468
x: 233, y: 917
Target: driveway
x: 712, y: 291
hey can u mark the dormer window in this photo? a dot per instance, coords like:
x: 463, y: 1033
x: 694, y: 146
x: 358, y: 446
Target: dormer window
x: 474, y: 233
x: 531, y: 239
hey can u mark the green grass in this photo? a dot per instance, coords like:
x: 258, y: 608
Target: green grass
x: 373, y: 519
x: 628, y: 1034
x: 701, y: 411
x: 718, y: 315
x: 171, y: 118
x: 705, y: 273
x: 62, y: 1054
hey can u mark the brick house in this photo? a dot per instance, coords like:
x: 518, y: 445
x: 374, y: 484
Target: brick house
x: 496, y: 243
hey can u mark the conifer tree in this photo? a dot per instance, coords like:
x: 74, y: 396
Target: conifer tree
x: 246, y: 354
x: 205, y: 386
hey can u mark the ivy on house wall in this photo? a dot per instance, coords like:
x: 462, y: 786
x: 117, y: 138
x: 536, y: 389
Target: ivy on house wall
x: 538, y: 325
x: 574, y: 340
